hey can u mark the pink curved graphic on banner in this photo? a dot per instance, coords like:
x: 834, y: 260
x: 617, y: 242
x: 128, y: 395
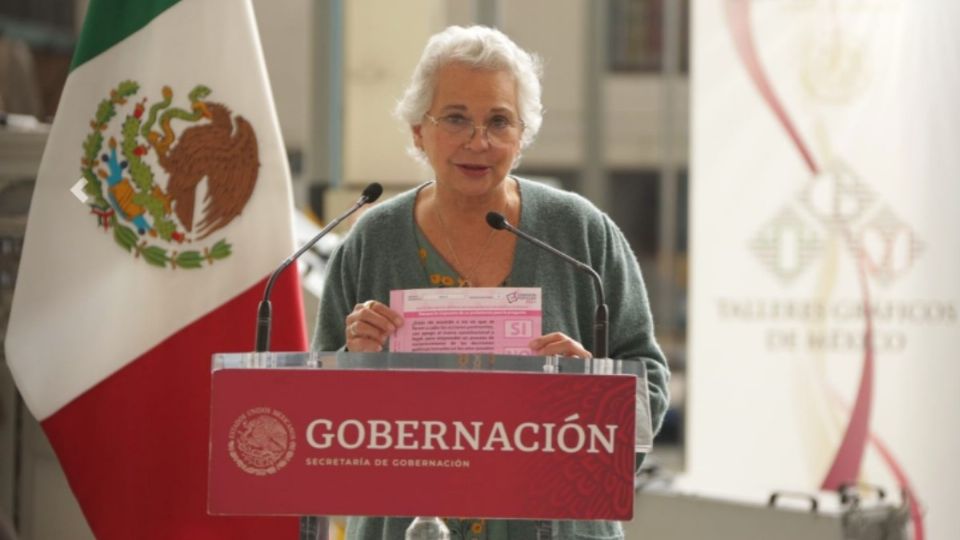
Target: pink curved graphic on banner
x: 910, y: 495
x: 847, y: 462
x: 915, y: 514
x: 738, y: 16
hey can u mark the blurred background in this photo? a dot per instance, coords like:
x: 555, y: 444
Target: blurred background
x: 777, y: 311
x: 615, y: 130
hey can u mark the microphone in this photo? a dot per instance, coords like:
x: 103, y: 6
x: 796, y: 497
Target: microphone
x: 264, y: 312
x: 601, y: 335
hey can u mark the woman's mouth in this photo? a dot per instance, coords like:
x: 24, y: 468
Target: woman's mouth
x: 473, y: 169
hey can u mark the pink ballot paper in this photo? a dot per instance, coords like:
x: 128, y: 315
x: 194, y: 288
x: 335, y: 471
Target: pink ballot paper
x: 497, y: 320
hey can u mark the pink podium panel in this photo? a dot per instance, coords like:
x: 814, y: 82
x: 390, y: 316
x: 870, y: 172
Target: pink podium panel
x: 420, y: 442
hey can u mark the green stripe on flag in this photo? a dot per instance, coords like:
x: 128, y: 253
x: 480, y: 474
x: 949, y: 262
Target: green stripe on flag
x: 110, y: 21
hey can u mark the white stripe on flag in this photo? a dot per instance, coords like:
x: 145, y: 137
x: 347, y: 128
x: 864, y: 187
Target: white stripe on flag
x: 84, y: 307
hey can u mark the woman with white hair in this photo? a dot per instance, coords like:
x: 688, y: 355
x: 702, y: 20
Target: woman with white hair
x: 473, y: 104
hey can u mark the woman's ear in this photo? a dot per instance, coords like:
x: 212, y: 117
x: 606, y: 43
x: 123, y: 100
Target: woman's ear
x: 417, y: 136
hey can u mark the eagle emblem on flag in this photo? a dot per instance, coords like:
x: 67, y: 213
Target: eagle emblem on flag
x: 169, y: 175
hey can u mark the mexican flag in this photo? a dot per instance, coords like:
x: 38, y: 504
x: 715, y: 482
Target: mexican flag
x: 162, y: 204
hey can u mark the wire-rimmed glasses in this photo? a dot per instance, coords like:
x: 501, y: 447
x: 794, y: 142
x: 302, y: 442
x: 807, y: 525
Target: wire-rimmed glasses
x: 500, y: 130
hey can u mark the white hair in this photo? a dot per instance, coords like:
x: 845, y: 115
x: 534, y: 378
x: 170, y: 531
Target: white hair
x: 479, y: 47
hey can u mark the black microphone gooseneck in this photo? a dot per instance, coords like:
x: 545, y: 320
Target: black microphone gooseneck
x: 601, y: 334
x: 264, y: 312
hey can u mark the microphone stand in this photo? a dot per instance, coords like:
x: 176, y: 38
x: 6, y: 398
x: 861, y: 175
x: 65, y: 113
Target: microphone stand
x: 265, y: 311
x: 601, y: 333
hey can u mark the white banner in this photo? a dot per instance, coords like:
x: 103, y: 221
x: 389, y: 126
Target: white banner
x: 825, y: 281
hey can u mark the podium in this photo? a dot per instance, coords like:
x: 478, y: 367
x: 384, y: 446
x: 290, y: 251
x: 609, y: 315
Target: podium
x: 399, y: 434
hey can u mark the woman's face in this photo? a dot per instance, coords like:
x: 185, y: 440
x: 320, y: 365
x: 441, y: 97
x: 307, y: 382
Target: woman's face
x: 471, y: 165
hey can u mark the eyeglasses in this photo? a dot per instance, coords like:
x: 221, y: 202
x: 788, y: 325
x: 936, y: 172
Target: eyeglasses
x: 500, y: 130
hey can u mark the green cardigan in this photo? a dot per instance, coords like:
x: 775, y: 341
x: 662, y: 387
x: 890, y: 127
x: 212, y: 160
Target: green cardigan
x: 380, y: 254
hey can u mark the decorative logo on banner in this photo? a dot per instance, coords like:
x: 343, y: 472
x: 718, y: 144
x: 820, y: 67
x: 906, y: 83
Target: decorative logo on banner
x: 158, y: 164
x: 262, y: 441
x: 837, y: 200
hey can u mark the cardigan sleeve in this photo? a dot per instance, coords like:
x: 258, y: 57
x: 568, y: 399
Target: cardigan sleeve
x: 631, y: 322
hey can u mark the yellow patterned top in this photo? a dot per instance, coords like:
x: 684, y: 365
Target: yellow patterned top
x: 439, y: 271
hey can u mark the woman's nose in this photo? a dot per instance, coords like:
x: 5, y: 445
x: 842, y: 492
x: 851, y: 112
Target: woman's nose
x: 478, y: 138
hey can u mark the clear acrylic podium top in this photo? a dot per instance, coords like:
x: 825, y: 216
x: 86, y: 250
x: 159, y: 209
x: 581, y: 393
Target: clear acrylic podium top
x: 343, y: 360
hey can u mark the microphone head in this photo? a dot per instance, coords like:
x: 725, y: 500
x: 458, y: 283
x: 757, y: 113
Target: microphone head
x: 496, y: 220
x: 372, y: 192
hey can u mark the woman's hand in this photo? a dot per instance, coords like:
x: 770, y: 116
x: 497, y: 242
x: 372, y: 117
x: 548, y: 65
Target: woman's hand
x: 369, y: 325
x: 558, y: 343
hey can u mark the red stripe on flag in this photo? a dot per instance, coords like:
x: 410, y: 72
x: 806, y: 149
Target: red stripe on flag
x: 135, y: 447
